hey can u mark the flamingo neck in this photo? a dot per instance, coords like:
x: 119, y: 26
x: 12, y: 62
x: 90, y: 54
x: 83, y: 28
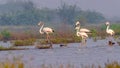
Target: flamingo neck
x: 107, y: 28
x: 77, y: 32
x: 41, y: 29
x: 78, y: 28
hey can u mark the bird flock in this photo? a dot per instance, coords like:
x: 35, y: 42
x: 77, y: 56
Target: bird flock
x: 80, y: 32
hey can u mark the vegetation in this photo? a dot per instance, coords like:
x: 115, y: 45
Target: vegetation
x: 62, y: 40
x: 23, y: 36
x: 26, y: 13
x: 10, y: 48
x: 5, y: 35
x: 11, y: 65
x: 17, y: 63
x: 25, y: 42
x: 14, y: 62
x: 107, y: 65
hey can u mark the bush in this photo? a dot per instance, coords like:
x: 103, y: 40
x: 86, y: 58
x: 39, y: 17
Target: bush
x: 5, y: 35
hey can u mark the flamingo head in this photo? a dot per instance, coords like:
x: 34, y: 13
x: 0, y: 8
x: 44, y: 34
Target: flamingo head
x: 40, y: 23
x: 77, y: 25
x: 107, y: 23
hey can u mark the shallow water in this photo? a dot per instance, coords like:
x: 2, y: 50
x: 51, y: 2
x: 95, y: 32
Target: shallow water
x: 95, y: 53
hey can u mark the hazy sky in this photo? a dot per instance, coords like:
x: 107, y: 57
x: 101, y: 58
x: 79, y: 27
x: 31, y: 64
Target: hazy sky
x: 109, y: 8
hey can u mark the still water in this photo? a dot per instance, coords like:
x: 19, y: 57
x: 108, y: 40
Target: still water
x: 95, y: 53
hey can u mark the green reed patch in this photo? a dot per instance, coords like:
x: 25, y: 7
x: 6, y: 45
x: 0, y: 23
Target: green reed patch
x: 5, y: 34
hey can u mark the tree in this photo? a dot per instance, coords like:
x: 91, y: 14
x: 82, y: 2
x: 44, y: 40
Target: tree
x: 67, y: 13
x: 94, y: 17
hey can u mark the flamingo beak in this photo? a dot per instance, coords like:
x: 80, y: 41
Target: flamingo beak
x: 53, y: 30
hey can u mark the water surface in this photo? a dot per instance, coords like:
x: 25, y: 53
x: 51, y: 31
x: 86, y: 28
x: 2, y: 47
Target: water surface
x: 95, y: 53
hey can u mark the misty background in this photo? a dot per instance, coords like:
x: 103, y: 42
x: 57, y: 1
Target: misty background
x: 110, y: 8
x: 17, y: 12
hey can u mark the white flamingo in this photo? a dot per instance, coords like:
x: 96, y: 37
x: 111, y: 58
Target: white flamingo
x: 77, y: 26
x: 45, y: 30
x: 83, y: 35
x: 110, y: 32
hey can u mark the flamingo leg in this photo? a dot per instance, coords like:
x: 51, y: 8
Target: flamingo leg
x: 49, y: 40
x: 85, y: 41
x: 110, y: 38
x: 48, y: 36
x: 82, y: 42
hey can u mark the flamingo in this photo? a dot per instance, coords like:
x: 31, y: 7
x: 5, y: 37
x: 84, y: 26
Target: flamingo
x: 83, y: 35
x: 109, y: 31
x: 45, y: 30
x: 77, y: 26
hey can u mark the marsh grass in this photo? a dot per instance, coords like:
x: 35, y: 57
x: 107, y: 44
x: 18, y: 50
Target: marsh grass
x: 61, y: 40
x: 17, y: 62
x: 14, y: 63
x: 22, y: 34
x: 26, y: 42
x: 106, y: 65
x: 20, y: 64
x: 8, y: 64
x: 6, y: 48
x: 11, y: 48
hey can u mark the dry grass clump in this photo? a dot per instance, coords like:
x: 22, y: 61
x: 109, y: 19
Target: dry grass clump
x: 9, y: 64
x: 25, y: 42
x: 10, y: 48
x: 62, y: 40
x: 112, y: 65
x: 12, y: 63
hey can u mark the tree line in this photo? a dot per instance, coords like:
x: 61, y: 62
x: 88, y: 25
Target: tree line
x: 26, y: 13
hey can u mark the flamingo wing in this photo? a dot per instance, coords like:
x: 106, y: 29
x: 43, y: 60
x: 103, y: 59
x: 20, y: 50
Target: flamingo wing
x: 84, y: 30
x: 111, y: 32
x: 47, y: 30
x: 82, y: 34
